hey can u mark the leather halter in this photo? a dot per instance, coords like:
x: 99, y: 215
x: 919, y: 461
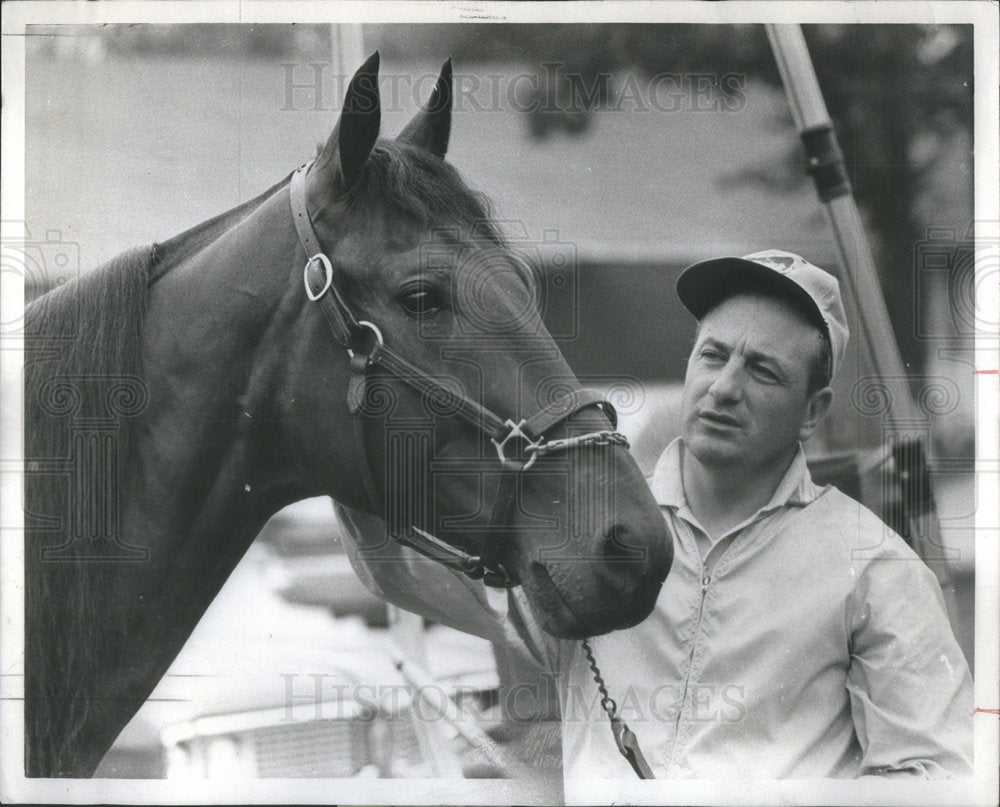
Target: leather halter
x: 366, y: 348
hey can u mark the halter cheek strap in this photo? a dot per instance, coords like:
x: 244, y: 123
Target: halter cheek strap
x: 366, y: 349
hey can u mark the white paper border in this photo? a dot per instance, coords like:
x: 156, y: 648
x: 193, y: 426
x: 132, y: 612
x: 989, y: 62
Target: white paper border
x: 14, y: 787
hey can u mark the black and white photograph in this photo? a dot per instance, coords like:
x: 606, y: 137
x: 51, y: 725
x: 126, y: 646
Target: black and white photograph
x: 500, y: 403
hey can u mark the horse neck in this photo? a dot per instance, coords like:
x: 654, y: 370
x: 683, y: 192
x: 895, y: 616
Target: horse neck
x: 206, y: 322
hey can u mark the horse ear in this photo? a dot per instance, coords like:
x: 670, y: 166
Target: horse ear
x: 351, y: 141
x: 431, y: 126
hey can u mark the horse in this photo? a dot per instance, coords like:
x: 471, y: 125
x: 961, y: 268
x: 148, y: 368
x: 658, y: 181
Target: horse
x: 352, y: 332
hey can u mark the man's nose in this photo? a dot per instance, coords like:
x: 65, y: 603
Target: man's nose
x: 728, y: 383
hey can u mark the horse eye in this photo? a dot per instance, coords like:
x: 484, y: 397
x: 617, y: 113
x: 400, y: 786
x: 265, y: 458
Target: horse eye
x: 422, y: 302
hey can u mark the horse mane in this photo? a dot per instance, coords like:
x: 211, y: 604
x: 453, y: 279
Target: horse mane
x: 79, y: 338
x: 91, y: 326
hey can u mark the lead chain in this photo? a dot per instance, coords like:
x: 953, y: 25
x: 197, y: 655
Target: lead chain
x: 625, y: 739
x: 594, y: 438
x: 607, y: 702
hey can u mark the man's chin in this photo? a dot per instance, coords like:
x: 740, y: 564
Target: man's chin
x: 711, y: 449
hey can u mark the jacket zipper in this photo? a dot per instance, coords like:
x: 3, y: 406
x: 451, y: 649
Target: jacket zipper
x: 705, y: 580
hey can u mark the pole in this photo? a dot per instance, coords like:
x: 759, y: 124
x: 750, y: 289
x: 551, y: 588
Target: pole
x: 348, y: 49
x: 410, y: 655
x: 827, y: 169
x: 439, y: 704
x: 825, y: 163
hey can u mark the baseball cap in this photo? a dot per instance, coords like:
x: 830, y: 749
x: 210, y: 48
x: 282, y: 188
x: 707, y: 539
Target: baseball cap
x: 704, y: 284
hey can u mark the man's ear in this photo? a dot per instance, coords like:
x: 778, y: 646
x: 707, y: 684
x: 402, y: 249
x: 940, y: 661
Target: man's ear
x: 817, y: 406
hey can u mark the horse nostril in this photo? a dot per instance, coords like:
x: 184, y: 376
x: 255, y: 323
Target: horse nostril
x: 617, y: 545
x: 623, y: 560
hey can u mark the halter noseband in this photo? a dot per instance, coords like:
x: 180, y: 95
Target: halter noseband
x: 366, y: 348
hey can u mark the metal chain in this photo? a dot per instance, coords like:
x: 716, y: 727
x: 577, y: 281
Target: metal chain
x: 604, y: 438
x: 607, y: 702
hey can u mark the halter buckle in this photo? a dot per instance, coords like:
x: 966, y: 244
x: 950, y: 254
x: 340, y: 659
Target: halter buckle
x: 327, y: 269
x: 532, y: 446
x: 371, y: 326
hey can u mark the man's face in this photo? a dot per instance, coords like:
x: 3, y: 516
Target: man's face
x: 745, y: 392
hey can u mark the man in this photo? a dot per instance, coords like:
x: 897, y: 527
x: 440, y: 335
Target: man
x: 796, y: 636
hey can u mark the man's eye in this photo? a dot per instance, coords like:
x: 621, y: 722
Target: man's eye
x: 421, y: 302
x: 712, y: 355
x: 764, y: 372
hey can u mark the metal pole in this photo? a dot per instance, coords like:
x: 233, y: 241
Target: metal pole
x: 410, y: 658
x: 348, y: 45
x: 425, y: 687
x: 826, y: 166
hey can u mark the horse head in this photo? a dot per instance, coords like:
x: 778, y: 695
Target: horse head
x: 474, y: 440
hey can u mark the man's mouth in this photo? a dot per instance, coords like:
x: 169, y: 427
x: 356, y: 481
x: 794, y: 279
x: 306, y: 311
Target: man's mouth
x: 719, y: 419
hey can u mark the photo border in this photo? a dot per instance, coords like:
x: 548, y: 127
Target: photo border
x: 982, y: 790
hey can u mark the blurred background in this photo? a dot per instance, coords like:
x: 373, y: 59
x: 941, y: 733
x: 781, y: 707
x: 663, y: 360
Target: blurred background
x: 616, y: 155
